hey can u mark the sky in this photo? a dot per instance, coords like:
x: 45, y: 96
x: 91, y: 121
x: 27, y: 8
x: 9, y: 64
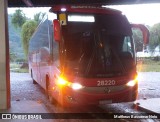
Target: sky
x: 144, y: 13
x: 29, y: 12
x: 147, y: 14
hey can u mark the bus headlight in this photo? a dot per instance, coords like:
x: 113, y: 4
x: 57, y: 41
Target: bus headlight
x: 131, y: 83
x: 76, y: 86
x: 62, y: 81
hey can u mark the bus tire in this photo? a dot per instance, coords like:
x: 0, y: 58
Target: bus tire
x: 34, y: 82
x: 49, y: 96
x: 52, y: 100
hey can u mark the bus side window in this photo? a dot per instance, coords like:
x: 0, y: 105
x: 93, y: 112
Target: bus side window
x: 127, y: 47
x: 55, y: 52
x: 45, y: 56
x: 54, y: 46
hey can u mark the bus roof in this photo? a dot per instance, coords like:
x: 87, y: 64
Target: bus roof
x: 84, y: 9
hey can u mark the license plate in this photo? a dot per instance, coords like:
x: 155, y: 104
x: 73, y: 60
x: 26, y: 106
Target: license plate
x: 102, y: 102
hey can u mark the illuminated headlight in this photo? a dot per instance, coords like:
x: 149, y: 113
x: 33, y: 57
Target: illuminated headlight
x: 131, y: 83
x: 76, y: 86
x: 63, y: 82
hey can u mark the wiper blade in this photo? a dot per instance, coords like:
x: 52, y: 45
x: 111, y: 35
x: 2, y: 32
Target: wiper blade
x: 119, y: 60
x: 91, y: 58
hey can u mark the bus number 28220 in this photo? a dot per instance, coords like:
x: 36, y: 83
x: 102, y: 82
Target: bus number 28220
x: 106, y: 82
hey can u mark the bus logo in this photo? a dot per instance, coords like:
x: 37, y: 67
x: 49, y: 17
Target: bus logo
x: 107, y: 90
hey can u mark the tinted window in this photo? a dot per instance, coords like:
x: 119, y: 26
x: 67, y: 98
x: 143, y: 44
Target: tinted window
x: 40, y: 37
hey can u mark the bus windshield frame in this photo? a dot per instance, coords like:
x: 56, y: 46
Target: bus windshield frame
x: 97, y: 49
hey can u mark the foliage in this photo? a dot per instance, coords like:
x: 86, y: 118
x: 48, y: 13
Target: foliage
x: 21, y: 70
x: 154, y: 39
x: 39, y: 16
x: 20, y: 60
x: 28, y: 29
x: 12, y: 57
x: 15, y: 46
x: 154, y: 36
x: 18, y: 18
x: 156, y: 28
x: 24, y: 28
x: 148, y: 65
x: 14, y: 67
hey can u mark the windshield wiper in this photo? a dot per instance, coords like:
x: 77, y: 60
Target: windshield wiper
x: 119, y: 60
x: 91, y: 58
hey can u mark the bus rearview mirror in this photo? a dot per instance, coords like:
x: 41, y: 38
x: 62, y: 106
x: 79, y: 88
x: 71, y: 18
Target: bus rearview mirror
x: 145, y: 33
x: 57, y: 30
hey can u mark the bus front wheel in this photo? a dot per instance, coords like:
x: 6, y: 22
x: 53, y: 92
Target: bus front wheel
x: 34, y: 82
x: 48, y: 92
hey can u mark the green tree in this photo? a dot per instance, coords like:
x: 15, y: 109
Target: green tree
x: 28, y: 29
x: 39, y: 16
x: 154, y: 36
x: 18, y: 18
x: 13, y: 56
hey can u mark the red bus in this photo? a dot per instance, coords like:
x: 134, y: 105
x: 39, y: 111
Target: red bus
x: 86, y: 56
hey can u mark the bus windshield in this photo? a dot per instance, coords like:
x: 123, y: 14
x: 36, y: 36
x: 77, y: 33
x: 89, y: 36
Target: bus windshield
x: 93, y: 50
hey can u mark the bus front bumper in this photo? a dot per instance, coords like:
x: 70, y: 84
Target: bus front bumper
x: 73, y: 97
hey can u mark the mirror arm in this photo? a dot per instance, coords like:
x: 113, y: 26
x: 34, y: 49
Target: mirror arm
x: 145, y: 33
